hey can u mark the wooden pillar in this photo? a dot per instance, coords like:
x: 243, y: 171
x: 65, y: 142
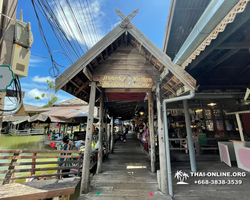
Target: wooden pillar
x: 72, y: 126
x: 48, y: 127
x: 88, y: 141
x: 108, y: 138
x: 100, y: 135
x: 59, y: 128
x: 80, y: 127
x: 240, y: 126
x: 161, y: 141
x: 112, y: 135
x: 151, y: 130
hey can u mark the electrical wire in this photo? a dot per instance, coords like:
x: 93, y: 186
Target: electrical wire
x: 17, y: 93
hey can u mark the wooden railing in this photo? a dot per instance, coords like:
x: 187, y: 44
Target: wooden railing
x: 198, y: 147
x: 16, y: 158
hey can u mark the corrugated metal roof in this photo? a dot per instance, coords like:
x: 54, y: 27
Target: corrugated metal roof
x: 186, y: 15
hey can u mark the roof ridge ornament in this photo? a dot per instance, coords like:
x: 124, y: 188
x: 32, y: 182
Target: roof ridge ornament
x: 126, y: 19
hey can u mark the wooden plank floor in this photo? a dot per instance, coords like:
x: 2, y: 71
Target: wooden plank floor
x: 120, y: 183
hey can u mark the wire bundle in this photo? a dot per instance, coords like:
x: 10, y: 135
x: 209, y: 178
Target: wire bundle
x: 17, y: 94
x: 72, y: 22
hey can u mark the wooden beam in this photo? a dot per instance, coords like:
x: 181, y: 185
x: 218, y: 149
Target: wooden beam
x: 82, y: 88
x: 96, y: 61
x: 117, y: 44
x: 170, y: 89
x: 88, y: 141
x: 74, y: 83
x: 102, y: 57
x: 107, y: 52
x: 122, y: 39
x: 234, y: 45
x: 87, y: 73
x: 91, y: 67
x: 164, y: 73
x: 128, y: 90
x: 150, y: 57
x: 100, y: 138
x: 161, y: 141
x: 112, y: 47
x: 151, y: 128
x: 140, y: 45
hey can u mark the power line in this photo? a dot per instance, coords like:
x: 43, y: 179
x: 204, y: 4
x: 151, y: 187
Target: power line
x: 40, y: 56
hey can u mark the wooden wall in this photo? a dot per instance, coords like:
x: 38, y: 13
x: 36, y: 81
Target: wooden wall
x: 125, y: 61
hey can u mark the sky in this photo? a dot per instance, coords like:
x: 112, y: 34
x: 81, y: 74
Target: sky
x: 151, y: 20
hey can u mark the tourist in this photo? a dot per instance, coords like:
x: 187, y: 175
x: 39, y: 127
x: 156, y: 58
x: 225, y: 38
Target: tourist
x: 64, y: 146
x: 58, y: 136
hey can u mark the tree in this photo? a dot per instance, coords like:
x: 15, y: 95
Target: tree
x: 49, y: 94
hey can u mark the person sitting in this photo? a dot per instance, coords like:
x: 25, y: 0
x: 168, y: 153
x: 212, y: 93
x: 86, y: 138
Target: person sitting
x: 79, y: 143
x: 58, y: 136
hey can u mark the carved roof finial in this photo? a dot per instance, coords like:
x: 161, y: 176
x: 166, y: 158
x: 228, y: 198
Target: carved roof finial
x: 126, y: 19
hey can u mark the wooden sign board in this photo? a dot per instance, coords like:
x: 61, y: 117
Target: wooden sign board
x: 126, y: 81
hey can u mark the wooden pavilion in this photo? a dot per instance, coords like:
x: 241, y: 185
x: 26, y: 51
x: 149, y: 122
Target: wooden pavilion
x: 121, y: 69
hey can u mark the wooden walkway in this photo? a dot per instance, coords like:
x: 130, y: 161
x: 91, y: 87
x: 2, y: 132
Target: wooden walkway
x: 126, y: 175
x: 120, y: 183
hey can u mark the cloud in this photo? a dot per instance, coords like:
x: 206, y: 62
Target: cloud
x: 28, y: 86
x: 34, y: 93
x: 42, y: 79
x: 91, y: 19
x: 34, y: 62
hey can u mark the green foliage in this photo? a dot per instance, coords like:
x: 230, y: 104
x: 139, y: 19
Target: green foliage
x: 49, y: 94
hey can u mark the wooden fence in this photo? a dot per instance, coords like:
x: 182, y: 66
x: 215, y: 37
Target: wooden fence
x: 65, y: 160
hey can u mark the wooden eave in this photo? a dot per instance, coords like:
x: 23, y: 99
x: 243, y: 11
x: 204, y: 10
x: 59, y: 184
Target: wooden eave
x: 75, y: 82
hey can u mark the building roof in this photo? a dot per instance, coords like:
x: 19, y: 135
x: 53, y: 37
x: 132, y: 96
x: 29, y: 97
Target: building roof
x: 75, y: 81
x: 182, y: 17
x: 28, y: 107
x: 71, y: 102
x: 224, y: 64
x: 13, y: 117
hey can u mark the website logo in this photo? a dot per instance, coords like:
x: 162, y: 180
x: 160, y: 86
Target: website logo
x: 181, y: 177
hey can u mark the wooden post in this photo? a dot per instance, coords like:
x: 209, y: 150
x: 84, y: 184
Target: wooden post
x: 33, y: 166
x: 239, y: 126
x: 108, y: 138
x: 161, y: 140
x: 59, y: 128
x: 151, y: 130
x: 80, y: 127
x: 72, y: 128
x: 11, y: 167
x: 100, y: 136
x: 112, y: 135
x: 88, y: 141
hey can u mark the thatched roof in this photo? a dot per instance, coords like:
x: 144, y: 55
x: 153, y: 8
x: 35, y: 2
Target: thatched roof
x: 71, y: 102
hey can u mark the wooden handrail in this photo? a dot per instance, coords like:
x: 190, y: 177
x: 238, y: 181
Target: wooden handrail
x: 39, y: 163
x: 71, y: 160
x: 39, y: 151
x: 37, y: 169
x: 38, y: 176
x: 37, y: 157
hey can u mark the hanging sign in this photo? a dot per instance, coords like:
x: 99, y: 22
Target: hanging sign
x: 122, y: 81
